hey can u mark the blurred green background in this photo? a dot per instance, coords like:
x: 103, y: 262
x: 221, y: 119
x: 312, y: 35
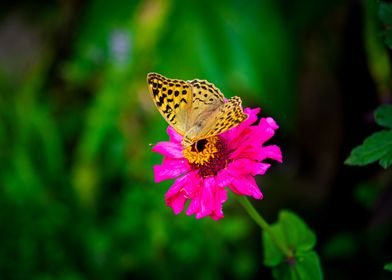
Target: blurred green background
x: 77, y: 197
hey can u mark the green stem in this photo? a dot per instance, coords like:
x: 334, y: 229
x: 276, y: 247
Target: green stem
x: 264, y: 225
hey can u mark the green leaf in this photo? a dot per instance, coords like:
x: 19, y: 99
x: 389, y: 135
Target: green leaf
x: 388, y: 40
x: 383, y: 115
x: 388, y: 266
x: 305, y: 266
x: 343, y: 245
x: 388, y: 37
x: 298, y: 235
x: 386, y: 160
x: 385, y: 12
x: 376, y: 147
x: 272, y: 254
x: 291, y: 231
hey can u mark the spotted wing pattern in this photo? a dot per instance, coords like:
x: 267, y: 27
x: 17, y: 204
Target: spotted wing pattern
x: 223, y: 118
x: 228, y: 116
x: 196, y: 109
x: 205, y: 93
x: 173, y: 99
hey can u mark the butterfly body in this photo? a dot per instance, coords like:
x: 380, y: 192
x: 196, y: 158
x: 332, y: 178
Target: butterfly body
x: 196, y: 109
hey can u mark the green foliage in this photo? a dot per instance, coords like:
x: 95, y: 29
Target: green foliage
x: 294, y: 234
x: 305, y: 266
x: 342, y: 245
x: 385, y: 14
x: 383, y: 115
x: 388, y: 267
x: 367, y: 194
x: 77, y: 193
x: 244, y: 55
x: 377, y: 146
x: 377, y: 54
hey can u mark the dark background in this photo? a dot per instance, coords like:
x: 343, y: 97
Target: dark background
x: 77, y: 197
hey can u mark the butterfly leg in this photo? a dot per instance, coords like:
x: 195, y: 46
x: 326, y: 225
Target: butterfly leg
x: 186, y: 141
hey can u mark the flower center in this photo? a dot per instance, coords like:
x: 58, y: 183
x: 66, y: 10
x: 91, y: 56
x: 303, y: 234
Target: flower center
x: 208, y: 156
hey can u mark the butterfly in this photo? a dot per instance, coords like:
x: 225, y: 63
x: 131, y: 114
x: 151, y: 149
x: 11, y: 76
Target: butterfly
x: 196, y: 109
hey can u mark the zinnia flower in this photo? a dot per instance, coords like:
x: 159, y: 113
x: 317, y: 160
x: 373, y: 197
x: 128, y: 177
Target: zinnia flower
x: 203, y: 172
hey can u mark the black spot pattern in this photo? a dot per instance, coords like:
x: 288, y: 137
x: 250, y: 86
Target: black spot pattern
x: 173, y: 97
x: 169, y: 95
x: 211, y: 95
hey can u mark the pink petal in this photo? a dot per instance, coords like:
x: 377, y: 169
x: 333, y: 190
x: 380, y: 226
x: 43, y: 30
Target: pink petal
x: 169, y: 149
x: 193, y: 190
x: 194, y: 205
x: 177, y: 203
x: 240, y: 166
x: 207, y: 195
x: 223, y: 178
x: 174, y: 135
x: 271, y: 122
x: 177, y: 186
x: 170, y: 168
x: 175, y: 197
x: 252, y: 116
x: 260, y: 168
x: 220, y: 198
x: 265, y: 130
x: 194, y: 184
x: 207, y: 202
x: 253, y: 137
x: 237, y: 131
x: 246, y: 185
x: 272, y: 152
x: 212, y: 198
x: 257, y: 153
x: 248, y: 137
x: 246, y: 166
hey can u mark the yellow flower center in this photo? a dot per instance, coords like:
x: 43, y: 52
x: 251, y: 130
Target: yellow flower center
x: 201, y: 152
x: 207, y: 156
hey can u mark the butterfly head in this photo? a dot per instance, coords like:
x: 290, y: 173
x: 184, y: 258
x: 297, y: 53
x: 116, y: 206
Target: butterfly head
x: 186, y: 142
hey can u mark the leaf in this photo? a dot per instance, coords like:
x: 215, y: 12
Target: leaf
x: 386, y: 160
x: 383, y: 115
x: 298, y: 235
x: 305, y: 266
x: 291, y: 231
x: 272, y: 254
x: 343, y: 245
x: 388, y: 37
x: 388, y: 266
x: 378, y: 146
x: 385, y: 12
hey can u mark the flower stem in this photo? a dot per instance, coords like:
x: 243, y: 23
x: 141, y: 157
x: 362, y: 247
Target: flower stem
x: 264, y: 225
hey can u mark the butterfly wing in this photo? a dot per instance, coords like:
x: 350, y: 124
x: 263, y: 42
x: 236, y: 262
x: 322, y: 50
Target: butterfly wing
x: 228, y: 116
x: 205, y: 94
x: 195, y: 109
x: 206, y: 99
x: 210, y: 115
x: 173, y: 99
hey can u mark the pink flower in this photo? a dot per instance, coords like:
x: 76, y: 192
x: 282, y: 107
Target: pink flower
x: 203, y: 172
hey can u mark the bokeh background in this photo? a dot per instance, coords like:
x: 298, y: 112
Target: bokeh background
x: 77, y: 197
